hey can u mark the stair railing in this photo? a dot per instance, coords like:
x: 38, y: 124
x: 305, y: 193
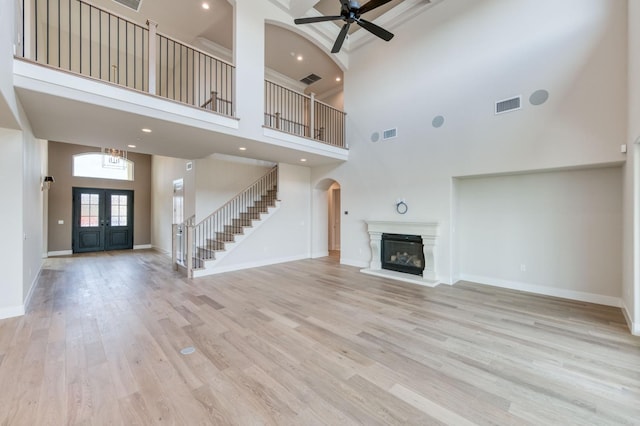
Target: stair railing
x: 303, y: 115
x: 77, y: 36
x: 215, y: 229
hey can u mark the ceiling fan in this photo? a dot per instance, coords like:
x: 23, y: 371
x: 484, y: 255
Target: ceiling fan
x: 350, y: 12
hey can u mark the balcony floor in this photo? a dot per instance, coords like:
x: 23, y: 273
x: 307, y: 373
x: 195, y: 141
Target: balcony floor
x: 70, y: 108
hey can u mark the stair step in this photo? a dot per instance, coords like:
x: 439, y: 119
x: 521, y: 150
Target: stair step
x: 250, y: 215
x: 242, y: 222
x: 263, y: 203
x: 232, y: 229
x: 225, y: 236
x: 206, y: 253
x: 215, y: 245
x: 257, y: 209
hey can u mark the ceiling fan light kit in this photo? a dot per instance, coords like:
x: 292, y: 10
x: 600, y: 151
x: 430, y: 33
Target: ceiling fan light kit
x: 350, y: 13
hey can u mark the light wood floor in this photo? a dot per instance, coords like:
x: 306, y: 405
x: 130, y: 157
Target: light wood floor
x: 305, y: 343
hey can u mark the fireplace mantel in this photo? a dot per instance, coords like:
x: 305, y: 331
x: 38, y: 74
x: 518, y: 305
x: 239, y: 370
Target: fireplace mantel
x: 429, y: 231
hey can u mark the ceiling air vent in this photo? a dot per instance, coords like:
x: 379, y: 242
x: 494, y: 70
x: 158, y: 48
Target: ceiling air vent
x: 131, y: 4
x: 311, y: 78
x: 389, y: 134
x: 508, y: 105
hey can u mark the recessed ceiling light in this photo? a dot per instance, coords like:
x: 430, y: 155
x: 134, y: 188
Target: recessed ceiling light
x: 242, y: 148
x: 146, y: 130
x: 205, y: 6
x: 131, y: 146
x: 299, y: 57
x: 304, y: 160
x: 338, y: 79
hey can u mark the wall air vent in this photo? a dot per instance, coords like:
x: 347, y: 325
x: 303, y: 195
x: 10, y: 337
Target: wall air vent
x: 508, y: 105
x: 131, y: 4
x: 311, y: 78
x: 389, y: 134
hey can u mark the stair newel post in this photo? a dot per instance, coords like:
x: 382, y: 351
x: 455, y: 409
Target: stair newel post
x: 312, y: 117
x: 153, y: 27
x: 190, y: 252
x: 174, y: 246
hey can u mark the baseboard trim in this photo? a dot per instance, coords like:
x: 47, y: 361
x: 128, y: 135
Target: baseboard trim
x: 143, y: 247
x: 353, y: 262
x: 634, y: 328
x: 319, y: 254
x: 59, y: 253
x: 249, y: 265
x: 546, y: 291
x: 34, y: 283
x: 10, y: 312
x: 161, y: 251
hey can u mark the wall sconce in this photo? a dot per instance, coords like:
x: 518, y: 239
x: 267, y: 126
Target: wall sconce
x: 46, y: 183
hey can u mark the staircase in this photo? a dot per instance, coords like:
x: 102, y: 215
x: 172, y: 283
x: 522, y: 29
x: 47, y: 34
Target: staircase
x: 210, y: 240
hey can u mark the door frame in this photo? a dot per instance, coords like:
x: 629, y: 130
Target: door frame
x: 104, y: 219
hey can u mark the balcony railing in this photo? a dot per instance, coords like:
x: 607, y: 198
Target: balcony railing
x: 302, y: 115
x: 82, y: 38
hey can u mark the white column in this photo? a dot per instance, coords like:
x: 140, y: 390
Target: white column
x: 375, y: 240
x: 153, y: 27
x: 428, y: 248
x: 249, y: 62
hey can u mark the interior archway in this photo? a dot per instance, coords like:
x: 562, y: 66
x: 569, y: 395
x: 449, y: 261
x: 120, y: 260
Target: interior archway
x: 326, y: 223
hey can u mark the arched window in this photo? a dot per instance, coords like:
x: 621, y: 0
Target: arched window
x: 102, y: 166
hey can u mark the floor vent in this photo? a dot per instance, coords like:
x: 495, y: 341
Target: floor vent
x: 389, y: 134
x: 311, y: 78
x: 508, y: 105
x: 131, y: 4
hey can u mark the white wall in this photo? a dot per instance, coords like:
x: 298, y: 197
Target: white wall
x: 21, y: 169
x: 11, y: 252
x: 22, y: 219
x: 8, y: 104
x: 557, y: 233
x: 164, y: 171
x: 456, y: 61
x: 33, y: 172
x: 218, y: 181
x: 286, y: 235
x: 631, y: 259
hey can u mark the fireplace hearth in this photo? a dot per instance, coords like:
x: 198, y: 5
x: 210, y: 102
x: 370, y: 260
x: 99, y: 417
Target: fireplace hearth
x: 402, y: 253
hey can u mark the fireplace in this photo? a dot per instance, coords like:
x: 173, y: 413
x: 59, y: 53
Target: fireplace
x: 402, y: 253
x: 417, y: 239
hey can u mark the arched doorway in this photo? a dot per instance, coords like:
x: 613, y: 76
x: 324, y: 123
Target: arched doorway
x: 334, y: 220
x: 326, y: 219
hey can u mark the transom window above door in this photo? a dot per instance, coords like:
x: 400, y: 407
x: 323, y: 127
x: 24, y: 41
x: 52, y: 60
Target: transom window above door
x: 102, y: 166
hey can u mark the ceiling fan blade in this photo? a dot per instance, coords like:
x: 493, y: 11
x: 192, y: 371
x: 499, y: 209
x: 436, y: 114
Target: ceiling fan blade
x: 373, y: 4
x: 375, y: 30
x: 299, y: 21
x: 340, y: 40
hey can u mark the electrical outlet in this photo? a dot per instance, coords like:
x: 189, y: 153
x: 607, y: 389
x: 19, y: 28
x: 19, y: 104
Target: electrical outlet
x: 523, y: 267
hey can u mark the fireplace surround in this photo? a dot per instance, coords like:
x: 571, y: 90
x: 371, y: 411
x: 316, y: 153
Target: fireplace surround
x: 428, y: 233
